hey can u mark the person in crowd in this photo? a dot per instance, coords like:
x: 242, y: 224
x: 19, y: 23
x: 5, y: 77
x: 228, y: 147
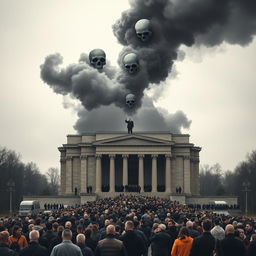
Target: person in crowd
x: 182, y: 245
x: 161, y: 242
x: 204, y: 245
x: 58, y: 239
x: 142, y: 236
x: 4, y: 245
x: 146, y: 213
x: 242, y: 237
x: 252, y: 247
x: 249, y: 230
x: 34, y: 248
x: 38, y: 225
x: 133, y: 243
x: 192, y: 232
x: 217, y: 231
x: 172, y: 229
x: 80, y: 242
x: 79, y: 230
x: 30, y: 228
x: 48, y: 236
x: 110, y: 245
x: 66, y: 248
x: 55, y: 228
x: 231, y: 246
x: 17, y: 240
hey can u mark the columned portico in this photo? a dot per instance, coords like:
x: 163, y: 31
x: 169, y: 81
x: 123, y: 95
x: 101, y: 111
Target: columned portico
x: 119, y: 162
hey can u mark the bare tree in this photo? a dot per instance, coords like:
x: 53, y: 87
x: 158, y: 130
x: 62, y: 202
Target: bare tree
x: 211, y: 180
x: 54, y: 179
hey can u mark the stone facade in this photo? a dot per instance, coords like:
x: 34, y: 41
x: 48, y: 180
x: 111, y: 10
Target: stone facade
x: 156, y: 162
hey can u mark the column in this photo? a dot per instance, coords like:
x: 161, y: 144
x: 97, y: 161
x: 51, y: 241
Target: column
x: 62, y: 175
x: 154, y: 173
x: 141, y: 172
x: 125, y: 170
x: 196, y: 172
x: 186, y: 188
x: 98, y: 174
x: 112, y: 174
x: 69, y: 175
x: 83, y: 174
x: 168, y: 173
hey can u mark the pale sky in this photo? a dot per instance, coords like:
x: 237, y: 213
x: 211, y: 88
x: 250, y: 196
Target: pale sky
x: 215, y: 88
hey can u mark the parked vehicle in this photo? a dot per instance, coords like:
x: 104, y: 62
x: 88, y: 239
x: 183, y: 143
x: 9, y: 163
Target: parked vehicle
x: 29, y: 207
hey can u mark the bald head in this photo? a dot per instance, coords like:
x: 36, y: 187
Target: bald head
x: 111, y: 229
x: 34, y: 235
x: 189, y: 224
x: 80, y: 238
x: 229, y: 229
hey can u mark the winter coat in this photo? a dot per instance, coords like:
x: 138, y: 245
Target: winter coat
x: 182, y: 247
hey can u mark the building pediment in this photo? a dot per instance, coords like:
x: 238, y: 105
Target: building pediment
x: 132, y: 140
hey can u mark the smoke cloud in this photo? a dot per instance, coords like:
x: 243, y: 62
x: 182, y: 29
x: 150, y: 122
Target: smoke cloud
x: 174, y: 23
x: 148, y: 118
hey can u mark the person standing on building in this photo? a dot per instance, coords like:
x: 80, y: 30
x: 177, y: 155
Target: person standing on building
x: 130, y: 125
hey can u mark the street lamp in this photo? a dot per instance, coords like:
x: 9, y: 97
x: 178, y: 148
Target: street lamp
x: 11, y: 185
x: 246, y: 185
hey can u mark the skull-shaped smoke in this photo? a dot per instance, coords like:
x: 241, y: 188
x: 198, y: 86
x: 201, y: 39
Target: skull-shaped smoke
x: 130, y: 100
x: 143, y: 30
x: 176, y: 22
x: 97, y: 58
x: 173, y: 23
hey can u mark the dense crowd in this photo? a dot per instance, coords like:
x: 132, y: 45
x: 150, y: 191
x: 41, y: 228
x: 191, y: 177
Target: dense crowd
x: 128, y: 226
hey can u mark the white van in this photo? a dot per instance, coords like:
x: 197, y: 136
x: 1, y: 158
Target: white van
x: 29, y: 207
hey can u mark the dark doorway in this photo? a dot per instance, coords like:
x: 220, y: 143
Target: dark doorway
x: 133, y: 170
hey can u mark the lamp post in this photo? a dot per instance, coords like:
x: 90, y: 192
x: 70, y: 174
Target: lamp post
x: 246, y: 185
x: 11, y: 185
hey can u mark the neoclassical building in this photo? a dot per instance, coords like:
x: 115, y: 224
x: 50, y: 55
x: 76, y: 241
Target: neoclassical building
x: 157, y: 162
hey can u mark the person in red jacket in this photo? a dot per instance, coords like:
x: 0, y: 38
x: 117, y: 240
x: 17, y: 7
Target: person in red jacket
x: 17, y: 240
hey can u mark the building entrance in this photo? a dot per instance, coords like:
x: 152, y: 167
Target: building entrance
x: 133, y: 170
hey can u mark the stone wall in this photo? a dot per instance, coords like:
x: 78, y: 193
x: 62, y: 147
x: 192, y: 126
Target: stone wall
x: 66, y: 200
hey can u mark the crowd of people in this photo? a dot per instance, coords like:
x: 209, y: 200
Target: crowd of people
x: 128, y: 226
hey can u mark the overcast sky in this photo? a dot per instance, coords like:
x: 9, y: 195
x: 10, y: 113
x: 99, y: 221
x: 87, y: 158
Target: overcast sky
x: 215, y: 88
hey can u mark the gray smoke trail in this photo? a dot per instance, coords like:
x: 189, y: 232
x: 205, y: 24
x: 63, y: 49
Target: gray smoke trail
x: 174, y: 23
x: 148, y: 118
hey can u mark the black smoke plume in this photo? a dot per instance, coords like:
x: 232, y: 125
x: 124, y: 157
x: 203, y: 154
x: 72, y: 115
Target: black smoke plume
x: 174, y: 23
